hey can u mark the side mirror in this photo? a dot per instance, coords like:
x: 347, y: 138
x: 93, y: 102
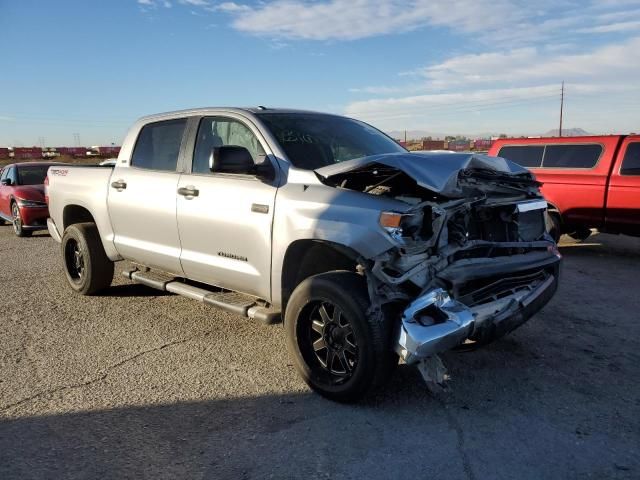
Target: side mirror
x: 235, y: 159
x: 6, y: 182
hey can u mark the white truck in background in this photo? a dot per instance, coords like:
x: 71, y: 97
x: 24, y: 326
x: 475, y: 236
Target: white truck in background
x: 367, y: 251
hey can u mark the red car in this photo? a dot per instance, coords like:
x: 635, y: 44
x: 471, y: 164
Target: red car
x: 589, y: 182
x: 22, y: 201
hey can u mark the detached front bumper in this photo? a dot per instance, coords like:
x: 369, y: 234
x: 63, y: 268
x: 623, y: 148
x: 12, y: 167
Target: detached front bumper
x: 435, y: 322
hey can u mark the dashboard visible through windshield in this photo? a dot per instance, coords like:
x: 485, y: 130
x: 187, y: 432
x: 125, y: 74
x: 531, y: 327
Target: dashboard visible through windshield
x: 312, y: 141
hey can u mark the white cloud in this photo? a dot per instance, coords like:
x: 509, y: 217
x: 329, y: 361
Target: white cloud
x: 612, y: 27
x: 195, y: 3
x: 534, y: 46
x: 496, y: 21
x: 531, y: 64
x: 410, y: 106
x: 231, y: 7
x: 354, y: 19
x: 144, y: 4
x: 513, y: 80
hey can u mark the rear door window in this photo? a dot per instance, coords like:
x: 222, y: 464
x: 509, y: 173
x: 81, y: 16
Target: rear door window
x: 523, y: 155
x: 158, y: 145
x: 571, y: 156
x: 631, y: 162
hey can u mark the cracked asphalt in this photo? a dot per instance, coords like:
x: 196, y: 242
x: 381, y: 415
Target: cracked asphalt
x: 136, y: 384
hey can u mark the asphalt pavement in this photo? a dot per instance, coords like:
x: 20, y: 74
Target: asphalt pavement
x: 134, y: 383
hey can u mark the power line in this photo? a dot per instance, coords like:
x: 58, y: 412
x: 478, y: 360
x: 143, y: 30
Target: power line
x: 561, y: 106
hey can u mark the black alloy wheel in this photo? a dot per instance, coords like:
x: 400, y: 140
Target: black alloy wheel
x: 86, y: 265
x: 74, y: 261
x: 332, y: 340
x: 338, y: 348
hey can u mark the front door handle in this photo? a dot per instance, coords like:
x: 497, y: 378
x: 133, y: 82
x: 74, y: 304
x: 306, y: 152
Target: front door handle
x: 189, y: 192
x: 119, y: 185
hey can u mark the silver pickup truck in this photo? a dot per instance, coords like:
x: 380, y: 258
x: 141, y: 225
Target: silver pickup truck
x: 368, y: 252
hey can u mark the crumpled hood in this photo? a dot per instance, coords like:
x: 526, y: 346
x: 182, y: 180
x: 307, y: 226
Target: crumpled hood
x: 437, y: 172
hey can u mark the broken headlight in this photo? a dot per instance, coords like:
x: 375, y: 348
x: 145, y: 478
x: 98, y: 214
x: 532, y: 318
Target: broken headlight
x: 392, y: 223
x: 406, y: 225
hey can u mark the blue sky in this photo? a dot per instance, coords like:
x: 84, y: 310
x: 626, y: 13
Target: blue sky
x: 471, y: 66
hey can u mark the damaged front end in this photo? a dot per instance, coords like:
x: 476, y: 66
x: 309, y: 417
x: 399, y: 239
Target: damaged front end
x: 471, y: 259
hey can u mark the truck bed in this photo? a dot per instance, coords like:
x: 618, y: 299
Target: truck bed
x: 83, y: 187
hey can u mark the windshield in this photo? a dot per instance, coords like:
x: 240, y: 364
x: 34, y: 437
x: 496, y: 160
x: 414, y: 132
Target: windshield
x: 312, y: 141
x: 32, y: 174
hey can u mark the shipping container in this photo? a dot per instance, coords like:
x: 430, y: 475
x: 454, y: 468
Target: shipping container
x: 23, y: 153
x: 433, y: 145
x: 4, y: 153
x: 482, y: 144
x: 110, y: 151
x: 72, y: 151
x: 459, y: 145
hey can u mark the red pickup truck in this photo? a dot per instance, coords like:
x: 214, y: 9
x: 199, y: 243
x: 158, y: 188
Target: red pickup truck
x: 589, y: 182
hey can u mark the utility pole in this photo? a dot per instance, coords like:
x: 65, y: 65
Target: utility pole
x: 561, y: 106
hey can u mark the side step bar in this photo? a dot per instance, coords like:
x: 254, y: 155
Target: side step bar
x: 233, y: 302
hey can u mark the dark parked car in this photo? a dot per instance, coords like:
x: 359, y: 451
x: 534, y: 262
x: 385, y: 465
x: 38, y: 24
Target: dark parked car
x: 22, y: 201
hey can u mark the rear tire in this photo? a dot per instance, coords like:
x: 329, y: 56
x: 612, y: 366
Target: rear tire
x: 17, y: 222
x: 86, y: 265
x: 337, y: 349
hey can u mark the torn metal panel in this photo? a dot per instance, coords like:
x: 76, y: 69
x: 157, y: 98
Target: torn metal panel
x: 438, y: 173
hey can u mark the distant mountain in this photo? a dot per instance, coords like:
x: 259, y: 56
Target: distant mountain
x: 566, y: 132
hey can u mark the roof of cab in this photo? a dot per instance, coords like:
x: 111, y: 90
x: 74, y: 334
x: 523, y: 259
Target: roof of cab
x: 20, y: 164
x: 213, y: 110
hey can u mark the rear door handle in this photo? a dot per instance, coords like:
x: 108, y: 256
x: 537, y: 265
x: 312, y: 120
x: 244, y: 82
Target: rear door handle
x: 119, y: 185
x: 189, y: 192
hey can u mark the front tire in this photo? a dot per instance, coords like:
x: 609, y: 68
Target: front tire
x: 18, y: 228
x: 86, y: 265
x: 337, y: 349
